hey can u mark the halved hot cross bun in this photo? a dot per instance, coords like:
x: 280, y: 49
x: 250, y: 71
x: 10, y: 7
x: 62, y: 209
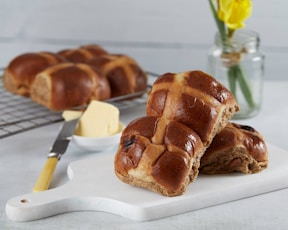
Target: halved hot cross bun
x: 237, y: 148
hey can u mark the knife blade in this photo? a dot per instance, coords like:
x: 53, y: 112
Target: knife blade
x: 57, y: 150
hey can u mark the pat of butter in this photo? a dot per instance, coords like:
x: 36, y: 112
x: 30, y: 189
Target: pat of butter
x: 71, y: 114
x: 100, y: 119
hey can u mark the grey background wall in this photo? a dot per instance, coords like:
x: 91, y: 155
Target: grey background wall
x: 161, y: 35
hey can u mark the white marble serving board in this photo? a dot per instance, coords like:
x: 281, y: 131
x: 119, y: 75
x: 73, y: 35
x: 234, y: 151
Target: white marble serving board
x: 93, y: 186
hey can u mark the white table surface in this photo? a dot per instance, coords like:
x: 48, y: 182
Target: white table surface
x: 23, y: 155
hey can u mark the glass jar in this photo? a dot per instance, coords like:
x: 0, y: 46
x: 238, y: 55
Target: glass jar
x: 239, y: 65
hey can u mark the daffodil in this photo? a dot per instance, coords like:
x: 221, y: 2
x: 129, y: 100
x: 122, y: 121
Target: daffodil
x: 234, y: 12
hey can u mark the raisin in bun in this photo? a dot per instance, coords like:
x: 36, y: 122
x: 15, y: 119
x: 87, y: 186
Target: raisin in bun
x: 83, y: 53
x: 68, y: 85
x: 158, y: 154
x: 22, y: 70
x: 123, y: 73
x: 237, y: 148
x: 195, y: 99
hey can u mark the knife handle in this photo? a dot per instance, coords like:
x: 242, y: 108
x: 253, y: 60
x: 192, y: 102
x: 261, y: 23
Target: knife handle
x: 46, y: 175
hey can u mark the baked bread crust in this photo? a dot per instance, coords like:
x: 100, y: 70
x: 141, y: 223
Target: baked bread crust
x: 195, y: 99
x: 237, y: 148
x: 83, y: 53
x: 68, y: 85
x: 158, y: 154
x: 22, y: 70
x: 123, y: 73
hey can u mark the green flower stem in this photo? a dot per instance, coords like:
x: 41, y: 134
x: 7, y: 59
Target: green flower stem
x: 244, y: 85
x: 235, y: 74
x: 220, y: 24
x: 232, y: 77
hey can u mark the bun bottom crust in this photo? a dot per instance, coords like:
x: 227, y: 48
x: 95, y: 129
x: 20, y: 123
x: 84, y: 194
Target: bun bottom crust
x: 237, y: 148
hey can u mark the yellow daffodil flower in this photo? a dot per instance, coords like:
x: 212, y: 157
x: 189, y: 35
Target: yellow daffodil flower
x: 234, y: 12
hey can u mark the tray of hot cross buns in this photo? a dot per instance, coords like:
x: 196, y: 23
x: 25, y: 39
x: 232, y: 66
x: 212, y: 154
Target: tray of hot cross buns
x: 36, y: 87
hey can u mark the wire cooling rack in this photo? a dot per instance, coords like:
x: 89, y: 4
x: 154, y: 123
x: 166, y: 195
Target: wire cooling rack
x: 19, y: 114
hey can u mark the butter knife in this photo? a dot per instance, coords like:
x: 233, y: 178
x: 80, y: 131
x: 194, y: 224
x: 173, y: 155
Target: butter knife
x: 57, y: 150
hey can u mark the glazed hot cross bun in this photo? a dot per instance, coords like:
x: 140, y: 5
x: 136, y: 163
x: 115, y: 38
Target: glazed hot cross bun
x: 22, y: 70
x: 123, y: 73
x: 68, y: 85
x: 195, y: 99
x: 158, y: 154
x: 82, y: 54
